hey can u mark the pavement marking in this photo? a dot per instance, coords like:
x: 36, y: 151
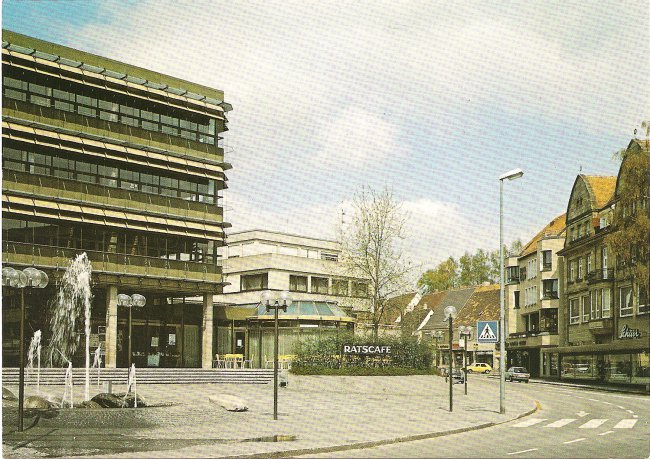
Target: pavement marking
x: 523, y: 451
x: 574, y: 441
x: 630, y: 411
x: 560, y: 423
x: 593, y: 424
x: 625, y: 424
x: 606, y: 433
x: 635, y: 416
x: 529, y: 422
x: 593, y: 400
x: 608, y: 403
x: 621, y: 407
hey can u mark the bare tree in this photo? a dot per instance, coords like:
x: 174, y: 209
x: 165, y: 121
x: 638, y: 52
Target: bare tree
x: 370, y: 248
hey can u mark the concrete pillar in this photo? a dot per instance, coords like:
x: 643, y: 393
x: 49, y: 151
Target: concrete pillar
x: 111, y: 327
x: 207, y: 328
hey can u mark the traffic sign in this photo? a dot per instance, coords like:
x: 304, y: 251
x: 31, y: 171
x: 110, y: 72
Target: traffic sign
x: 488, y: 331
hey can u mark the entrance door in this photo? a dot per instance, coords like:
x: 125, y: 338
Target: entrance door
x: 240, y: 342
x: 191, y: 346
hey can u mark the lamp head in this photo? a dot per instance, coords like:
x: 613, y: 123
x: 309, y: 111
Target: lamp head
x: 138, y: 300
x: 123, y: 300
x: 285, y: 299
x: 512, y: 175
x: 450, y: 312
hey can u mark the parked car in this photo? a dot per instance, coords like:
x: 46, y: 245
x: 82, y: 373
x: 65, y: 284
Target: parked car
x: 479, y: 368
x: 458, y: 375
x: 517, y: 374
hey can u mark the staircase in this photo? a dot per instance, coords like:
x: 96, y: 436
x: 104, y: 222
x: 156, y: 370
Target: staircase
x: 55, y: 376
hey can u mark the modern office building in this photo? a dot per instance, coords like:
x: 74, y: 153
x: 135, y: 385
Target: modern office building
x: 125, y: 164
x: 532, y: 300
x: 326, y: 298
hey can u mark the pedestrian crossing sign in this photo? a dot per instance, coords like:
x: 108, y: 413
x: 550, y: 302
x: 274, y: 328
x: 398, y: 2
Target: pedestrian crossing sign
x: 488, y: 331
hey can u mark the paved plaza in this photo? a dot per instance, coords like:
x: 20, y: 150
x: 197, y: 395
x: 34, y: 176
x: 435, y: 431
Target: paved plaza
x: 316, y: 413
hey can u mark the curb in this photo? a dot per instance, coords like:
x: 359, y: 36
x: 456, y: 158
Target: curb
x: 390, y: 441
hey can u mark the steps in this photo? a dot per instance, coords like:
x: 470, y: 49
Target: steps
x: 55, y: 376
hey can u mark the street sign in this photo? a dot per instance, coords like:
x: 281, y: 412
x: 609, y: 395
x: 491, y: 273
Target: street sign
x: 488, y: 331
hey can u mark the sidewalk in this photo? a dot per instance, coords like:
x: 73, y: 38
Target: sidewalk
x: 316, y: 414
x: 637, y: 390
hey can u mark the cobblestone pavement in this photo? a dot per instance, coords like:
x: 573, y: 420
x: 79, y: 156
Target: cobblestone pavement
x: 315, y: 412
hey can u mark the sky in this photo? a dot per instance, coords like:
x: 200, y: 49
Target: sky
x: 432, y: 99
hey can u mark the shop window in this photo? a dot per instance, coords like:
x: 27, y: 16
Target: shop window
x: 574, y: 313
x: 298, y: 283
x: 625, y: 301
x: 319, y: 285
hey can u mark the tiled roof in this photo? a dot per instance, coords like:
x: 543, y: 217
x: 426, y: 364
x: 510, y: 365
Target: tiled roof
x: 555, y: 228
x: 431, y: 300
x: 483, y: 304
x: 601, y: 189
x: 394, y: 306
x: 457, y: 298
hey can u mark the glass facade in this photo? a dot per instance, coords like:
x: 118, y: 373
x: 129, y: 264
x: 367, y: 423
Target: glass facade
x: 610, y: 368
x: 108, y: 173
x: 108, y: 106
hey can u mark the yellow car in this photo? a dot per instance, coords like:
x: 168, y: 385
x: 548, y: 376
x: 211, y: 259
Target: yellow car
x: 479, y: 368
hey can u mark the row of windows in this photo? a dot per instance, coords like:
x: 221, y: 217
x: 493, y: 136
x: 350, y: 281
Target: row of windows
x: 582, y: 266
x: 342, y: 287
x: 597, y: 304
x: 100, y: 239
x: 246, y: 249
x: 74, y: 102
x: 107, y: 173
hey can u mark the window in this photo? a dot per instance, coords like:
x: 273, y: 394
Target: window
x: 595, y: 305
x: 359, y: 289
x: 589, y: 264
x: 319, y: 285
x: 547, y: 260
x: 532, y: 269
x: 512, y: 274
x: 340, y: 287
x: 584, y: 307
x: 603, y: 258
x: 298, y: 283
x: 516, y: 306
x: 548, y: 320
x: 38, y: 100
x: 255, y: 281
x: 550, y: 288
x: 625, y: 301
x: 329, y: 256
x: 642, y: 299
x: 572, y: 270
x: 574, y: 313
x: 581, y: 271
x: 606, y: 298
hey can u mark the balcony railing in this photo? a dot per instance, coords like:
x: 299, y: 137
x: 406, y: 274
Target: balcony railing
x: 44, y: 255
x: 606, y: 274
x: 553, y: 295
x: 547, y: 266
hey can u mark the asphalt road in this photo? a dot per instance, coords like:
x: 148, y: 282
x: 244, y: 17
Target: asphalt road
x: 572, y: 423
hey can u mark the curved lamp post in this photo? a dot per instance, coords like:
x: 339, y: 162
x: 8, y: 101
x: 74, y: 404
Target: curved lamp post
x: 450, y: 315
x: 134, y: 301
x: 281, y: 301
x: 28, y: 277
x: 465, y: 331
x: 437, y: 335
x: 510, y: 175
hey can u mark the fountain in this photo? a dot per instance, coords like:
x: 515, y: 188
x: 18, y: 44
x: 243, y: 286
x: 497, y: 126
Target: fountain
x: 132, y: 384
x: 35, y: 348
x: 97, y: 362
x: 68, y: 386
x: 73, y: 299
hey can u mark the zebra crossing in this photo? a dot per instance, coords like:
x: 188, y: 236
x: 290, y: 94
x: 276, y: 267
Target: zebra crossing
x: 574, y: 422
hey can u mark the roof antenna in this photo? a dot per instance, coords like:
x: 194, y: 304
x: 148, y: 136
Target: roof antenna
x: 580, y: 168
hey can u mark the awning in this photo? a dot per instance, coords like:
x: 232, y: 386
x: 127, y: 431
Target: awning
x: 640, y: 344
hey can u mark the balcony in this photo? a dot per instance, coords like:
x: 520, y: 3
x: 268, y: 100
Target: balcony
x: 601, y: 326
x: 547, y: 267
x: 552, y: 295
x: 600, y: 275
x: 112, y: 263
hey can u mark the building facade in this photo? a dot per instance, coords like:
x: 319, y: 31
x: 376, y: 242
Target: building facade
x: 326, y: 298
x: 532, y: 299
x: 127, y: 165
x: 605, y: 328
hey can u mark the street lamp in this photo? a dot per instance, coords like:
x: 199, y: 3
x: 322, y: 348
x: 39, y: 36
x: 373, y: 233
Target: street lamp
x: 465, y: 331
x: 28, y: 277
x: 510, y: 175
x: 134, y: 301
x: 282, y: 301
x: 437, y: 335
x: 450, y: 315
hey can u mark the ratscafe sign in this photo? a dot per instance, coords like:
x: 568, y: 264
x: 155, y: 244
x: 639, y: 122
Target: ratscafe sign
x: 365, y: 349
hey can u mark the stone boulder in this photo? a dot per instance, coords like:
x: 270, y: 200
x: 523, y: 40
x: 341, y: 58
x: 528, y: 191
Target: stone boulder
x: 8, y: 395
x: 229, y: 402
x: 106, y: 400
x: 89, y: 404
x: 129, y: 399
x: 34, y: 402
